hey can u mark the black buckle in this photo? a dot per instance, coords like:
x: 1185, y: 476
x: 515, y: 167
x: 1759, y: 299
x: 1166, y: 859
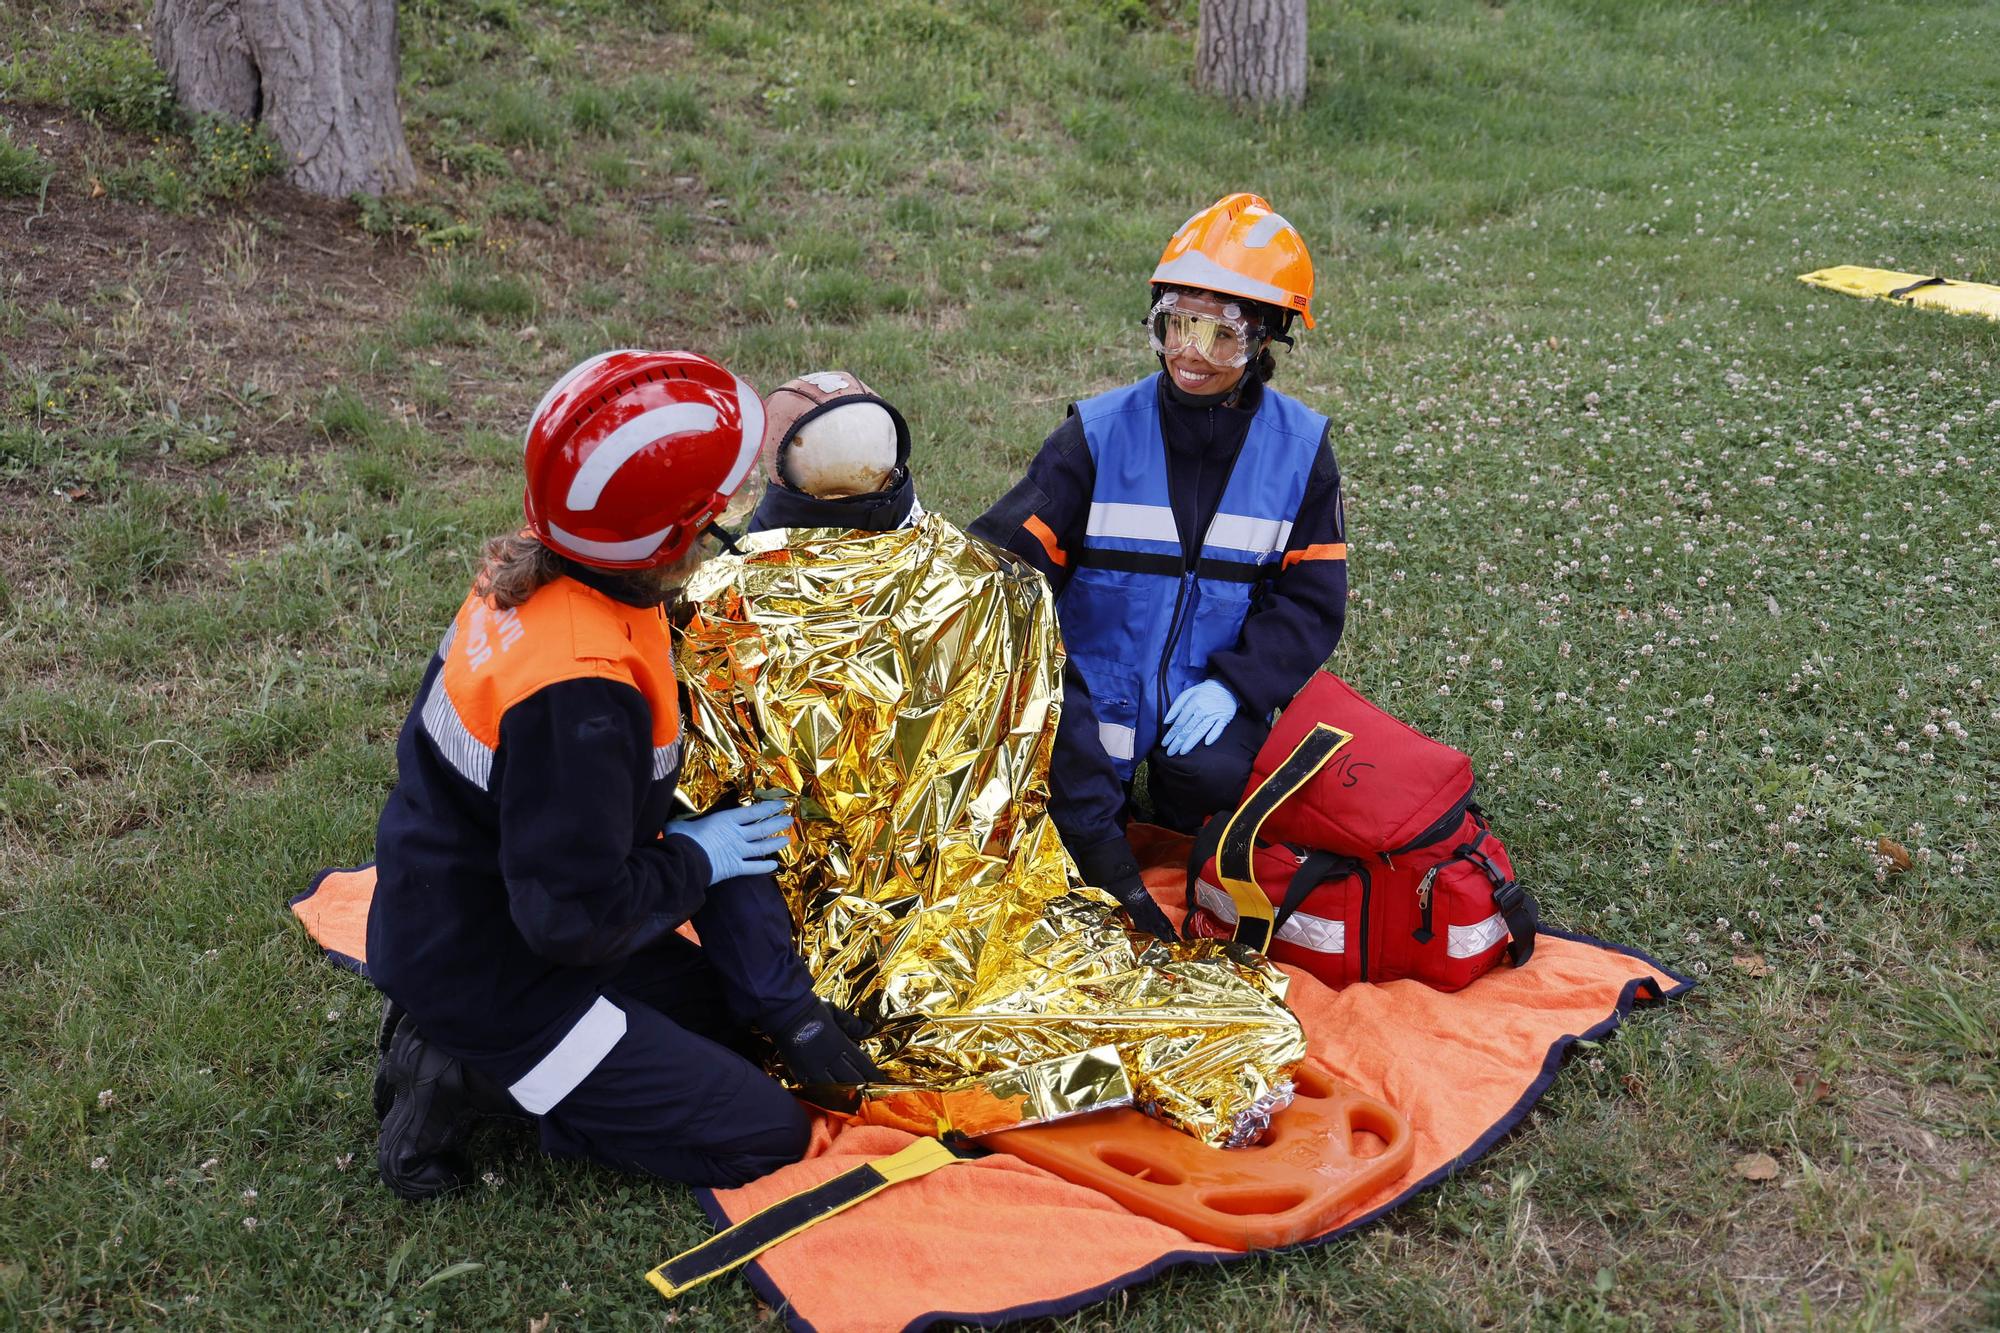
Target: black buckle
x: 1509, y: 896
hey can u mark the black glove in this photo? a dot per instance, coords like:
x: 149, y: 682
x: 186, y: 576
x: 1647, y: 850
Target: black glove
x: 1139, y: 905
x: 817, y: 1041
x: 853, y: 1025
x: 1111, y: 866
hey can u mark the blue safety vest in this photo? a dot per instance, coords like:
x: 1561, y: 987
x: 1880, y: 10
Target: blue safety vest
x: 1139, y: 618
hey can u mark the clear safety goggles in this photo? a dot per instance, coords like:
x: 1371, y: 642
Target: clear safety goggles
x: 1225, y: 340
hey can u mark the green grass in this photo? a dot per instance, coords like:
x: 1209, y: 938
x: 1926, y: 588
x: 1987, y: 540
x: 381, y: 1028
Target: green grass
x: 1697, y: 562
x: 23, y: 171
x: 108, y: 76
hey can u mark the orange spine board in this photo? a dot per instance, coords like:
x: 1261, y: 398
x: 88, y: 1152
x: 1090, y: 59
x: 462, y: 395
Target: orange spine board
x: 1331, y: 1148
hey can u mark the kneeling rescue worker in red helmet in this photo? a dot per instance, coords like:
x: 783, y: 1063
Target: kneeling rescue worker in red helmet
x: 531, y: 876
x: 1191, y: 527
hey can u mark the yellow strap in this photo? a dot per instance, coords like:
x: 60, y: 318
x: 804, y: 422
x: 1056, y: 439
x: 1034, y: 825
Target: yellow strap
x: 1235, y: 855
x: 779, y: 1222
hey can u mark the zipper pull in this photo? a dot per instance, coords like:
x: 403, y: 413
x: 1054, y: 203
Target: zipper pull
x: 1423, y: 933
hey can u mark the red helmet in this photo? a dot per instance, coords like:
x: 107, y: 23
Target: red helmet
x: 632, y: 454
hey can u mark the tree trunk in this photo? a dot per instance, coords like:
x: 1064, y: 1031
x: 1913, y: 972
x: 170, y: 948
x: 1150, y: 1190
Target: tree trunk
x: 319, y: 74
x: 1253, y: 50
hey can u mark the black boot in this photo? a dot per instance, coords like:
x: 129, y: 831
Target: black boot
x: 434, y: 1103
x: 392, y: 1018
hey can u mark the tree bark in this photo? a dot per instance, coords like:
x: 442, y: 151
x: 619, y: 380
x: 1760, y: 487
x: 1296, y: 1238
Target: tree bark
x: 319, y: 74
x: 1253, y: 51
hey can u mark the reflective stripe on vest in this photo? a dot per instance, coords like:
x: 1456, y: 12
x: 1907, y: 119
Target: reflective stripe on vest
x: 493, y: 659
x: 1119, y: 610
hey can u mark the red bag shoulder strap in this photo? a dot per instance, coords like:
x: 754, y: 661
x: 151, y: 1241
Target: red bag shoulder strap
x: 1237, y: 840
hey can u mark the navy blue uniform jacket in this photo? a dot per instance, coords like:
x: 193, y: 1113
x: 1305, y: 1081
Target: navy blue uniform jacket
x: 1292, y: 627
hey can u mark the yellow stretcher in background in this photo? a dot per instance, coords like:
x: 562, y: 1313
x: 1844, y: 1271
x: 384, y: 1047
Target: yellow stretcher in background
x: 1959, y: 298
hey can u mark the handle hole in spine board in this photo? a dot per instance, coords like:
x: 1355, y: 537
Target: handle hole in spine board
x: 1263, y: 1202
x: 1138, y: 1167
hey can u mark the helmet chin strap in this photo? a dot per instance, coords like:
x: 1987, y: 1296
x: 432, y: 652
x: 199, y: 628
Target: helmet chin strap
x: 722, y: 534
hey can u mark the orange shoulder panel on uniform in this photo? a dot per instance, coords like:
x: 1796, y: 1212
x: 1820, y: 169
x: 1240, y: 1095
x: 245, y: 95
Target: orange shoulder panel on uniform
x: 1317, y: 551
x: 1044, y: 534
x: 495, y: 658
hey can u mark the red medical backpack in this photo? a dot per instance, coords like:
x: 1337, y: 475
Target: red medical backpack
x: 1358, y: 854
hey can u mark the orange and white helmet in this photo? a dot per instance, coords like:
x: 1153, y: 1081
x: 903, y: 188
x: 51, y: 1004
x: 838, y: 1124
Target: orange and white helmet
x: 1240, y: 247
x: 632, y: 454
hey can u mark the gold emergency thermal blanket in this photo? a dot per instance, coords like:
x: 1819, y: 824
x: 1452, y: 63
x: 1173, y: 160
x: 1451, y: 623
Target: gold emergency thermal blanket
x: 904, y: 686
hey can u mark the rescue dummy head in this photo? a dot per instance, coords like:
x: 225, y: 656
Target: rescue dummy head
x: 1228, y: 284
x: 629, y: 458
x: 830, y: 436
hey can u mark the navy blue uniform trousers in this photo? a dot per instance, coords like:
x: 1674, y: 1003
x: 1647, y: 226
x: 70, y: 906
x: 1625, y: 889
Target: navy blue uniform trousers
x: 679, y: 1096
x: 1186, y: 789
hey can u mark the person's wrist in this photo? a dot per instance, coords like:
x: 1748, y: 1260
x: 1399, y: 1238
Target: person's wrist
x: 1102, y: 863
x: 706, y: 863
x: 784, y: 1018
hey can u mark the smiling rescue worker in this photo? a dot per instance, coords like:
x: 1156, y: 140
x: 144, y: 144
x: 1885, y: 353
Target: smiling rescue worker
x: 1191, y: 526
x: 530, y: 878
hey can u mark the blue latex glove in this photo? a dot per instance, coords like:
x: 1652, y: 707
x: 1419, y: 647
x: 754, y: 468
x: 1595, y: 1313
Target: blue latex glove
x: 744, y: 840
x: 1198, y: 716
